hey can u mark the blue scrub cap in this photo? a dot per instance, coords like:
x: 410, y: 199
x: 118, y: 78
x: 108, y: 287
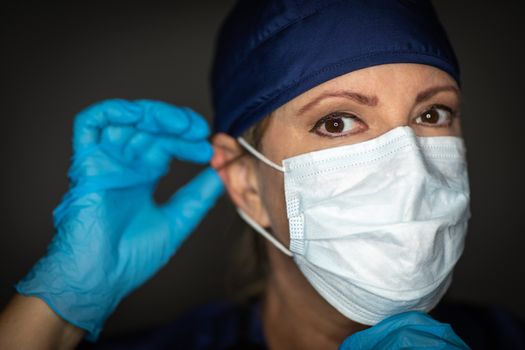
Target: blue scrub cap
x: 269, y: 51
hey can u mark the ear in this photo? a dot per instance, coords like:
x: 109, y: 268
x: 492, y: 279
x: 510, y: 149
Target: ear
x: 237, y: 170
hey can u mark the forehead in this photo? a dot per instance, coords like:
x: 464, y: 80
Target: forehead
x: 378, y: 80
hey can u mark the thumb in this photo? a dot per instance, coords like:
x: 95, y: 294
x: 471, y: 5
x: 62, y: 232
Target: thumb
x: 192, y: 202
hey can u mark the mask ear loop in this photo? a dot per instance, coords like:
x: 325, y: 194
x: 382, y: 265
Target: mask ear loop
x: 264, y: 233
x: 245, y: 216
x: 259, y: 155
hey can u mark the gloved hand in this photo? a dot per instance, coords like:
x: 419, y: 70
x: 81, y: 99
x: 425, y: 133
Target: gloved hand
x: 110, y: 234
x: 408, y: 330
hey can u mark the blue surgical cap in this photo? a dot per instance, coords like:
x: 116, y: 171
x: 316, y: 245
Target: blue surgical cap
x: 269, y: 51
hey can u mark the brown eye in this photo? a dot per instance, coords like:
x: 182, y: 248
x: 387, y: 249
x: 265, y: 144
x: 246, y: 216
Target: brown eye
x: 431, y: 116
x: 335, y: 125
x: 436, y: 116
x: 338, y: 124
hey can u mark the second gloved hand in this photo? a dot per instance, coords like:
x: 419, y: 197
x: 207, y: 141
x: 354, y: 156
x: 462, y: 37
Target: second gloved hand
x: 408, y: 330
x: 110, y: 234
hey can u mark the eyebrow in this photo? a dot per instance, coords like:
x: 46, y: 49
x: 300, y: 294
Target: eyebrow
x: 373, y: 101
x: 355, y: 96
x: 428, y: 93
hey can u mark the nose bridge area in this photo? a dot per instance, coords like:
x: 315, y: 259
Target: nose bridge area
x: 397, y: 120
x: 399, y: 91
x: 394, y: 112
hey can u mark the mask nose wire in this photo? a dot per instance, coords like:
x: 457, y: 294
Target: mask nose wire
x: 259, y: 155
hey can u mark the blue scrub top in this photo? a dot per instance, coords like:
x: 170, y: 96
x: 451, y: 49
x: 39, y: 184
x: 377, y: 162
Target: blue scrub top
x: 225, y: 325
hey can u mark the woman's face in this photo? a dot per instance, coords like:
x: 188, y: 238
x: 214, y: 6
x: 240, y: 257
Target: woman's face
x: 349, y: 109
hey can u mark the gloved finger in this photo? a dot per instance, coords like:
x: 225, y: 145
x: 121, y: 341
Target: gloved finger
x: 164, y: 118
x: 193, y: 151
x: 117, y: 136
x: 191, y: 203
x: 89, y: 122
x: 156, y: 155
x: 164, y: 149
x: 137, y: 145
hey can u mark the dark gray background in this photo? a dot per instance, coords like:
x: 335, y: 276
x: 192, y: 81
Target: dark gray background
x: 58, y: 59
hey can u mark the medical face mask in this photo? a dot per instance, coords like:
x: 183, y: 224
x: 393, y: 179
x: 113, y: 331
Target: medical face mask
x: 376, y: 227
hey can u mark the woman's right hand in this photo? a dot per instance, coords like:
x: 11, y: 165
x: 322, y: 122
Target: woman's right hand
x: 110, y: 234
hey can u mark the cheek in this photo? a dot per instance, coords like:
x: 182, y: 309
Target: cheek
x: 453, y: 130
x: 456, y: 128
x: 274, y: 202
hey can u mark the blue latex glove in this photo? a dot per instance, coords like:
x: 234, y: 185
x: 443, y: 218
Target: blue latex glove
x: 110, y: 234
x: 408, y: 330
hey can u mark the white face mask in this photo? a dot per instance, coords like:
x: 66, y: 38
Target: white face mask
x: 377, y: 227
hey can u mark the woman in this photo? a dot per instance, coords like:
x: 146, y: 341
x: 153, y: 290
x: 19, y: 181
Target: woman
x: 350, y: 110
